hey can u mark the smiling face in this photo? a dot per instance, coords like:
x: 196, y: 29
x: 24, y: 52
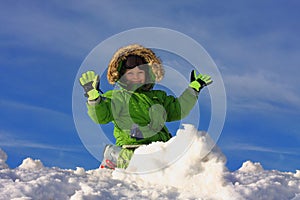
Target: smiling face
x: 135, y: 76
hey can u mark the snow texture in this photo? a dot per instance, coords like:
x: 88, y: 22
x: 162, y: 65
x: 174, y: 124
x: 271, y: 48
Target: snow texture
x: 3, y: 158
x: 198, y: 172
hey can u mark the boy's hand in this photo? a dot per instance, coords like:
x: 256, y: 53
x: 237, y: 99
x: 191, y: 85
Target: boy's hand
x: 90, y: 83
x: 135, y: 132
x: 199, y: 81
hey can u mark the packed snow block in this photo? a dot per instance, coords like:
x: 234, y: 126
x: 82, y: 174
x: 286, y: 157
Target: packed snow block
x: 3, y: 158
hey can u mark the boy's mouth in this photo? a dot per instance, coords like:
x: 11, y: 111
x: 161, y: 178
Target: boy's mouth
x: 136, y: 82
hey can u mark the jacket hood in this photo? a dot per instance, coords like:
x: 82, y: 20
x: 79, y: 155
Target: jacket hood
x: 113, y: 75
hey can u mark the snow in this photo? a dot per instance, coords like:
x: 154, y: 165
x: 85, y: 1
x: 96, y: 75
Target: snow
x: 188, y: 167
x: 3, y: 158
x: 31, y: 164
x: 249, y: 166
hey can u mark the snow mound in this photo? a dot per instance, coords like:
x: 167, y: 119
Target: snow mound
x: 3, y: 158
x: 80, y: 171
x: 265, y: 184
x: 189, y: 162
x: 195, y: 172
x: 297, y: 175
x: 31, y: 164
x: 249, y: 166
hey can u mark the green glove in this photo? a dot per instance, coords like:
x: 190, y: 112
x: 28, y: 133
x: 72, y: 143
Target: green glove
x: 199, y: 81
x: 90, y: 83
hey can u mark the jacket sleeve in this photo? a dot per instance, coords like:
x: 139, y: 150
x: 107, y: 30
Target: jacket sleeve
x: 100, y: 113
x: 103, y: 112
x: 179, y: 108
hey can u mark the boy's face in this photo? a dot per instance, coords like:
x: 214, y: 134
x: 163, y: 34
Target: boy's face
x: 135, y: 76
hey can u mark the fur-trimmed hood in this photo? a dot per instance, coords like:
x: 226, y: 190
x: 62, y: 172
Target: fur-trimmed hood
x: 113, y: 75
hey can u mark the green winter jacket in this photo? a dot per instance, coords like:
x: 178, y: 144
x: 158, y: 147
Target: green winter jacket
x: 149, y: 110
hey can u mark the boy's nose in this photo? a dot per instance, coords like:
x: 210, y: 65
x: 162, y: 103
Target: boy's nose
x: 135, y: 76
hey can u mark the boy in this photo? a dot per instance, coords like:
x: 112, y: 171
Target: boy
x: 138, y: 112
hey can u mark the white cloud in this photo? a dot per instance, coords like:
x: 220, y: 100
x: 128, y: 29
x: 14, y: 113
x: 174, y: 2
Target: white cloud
x: 32, y: 108
x: 36, y: 26
x: 251, y: 147
x: 43, y: 119
x: 10, y: 139
x: 258, y: 91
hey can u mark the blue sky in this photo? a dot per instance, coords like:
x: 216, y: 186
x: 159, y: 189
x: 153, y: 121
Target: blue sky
x: 255, y: 45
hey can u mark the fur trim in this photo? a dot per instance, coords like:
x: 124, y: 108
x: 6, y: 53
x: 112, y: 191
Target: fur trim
x: 134, y: 49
